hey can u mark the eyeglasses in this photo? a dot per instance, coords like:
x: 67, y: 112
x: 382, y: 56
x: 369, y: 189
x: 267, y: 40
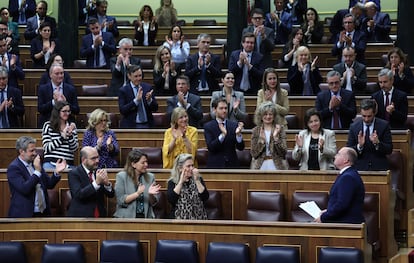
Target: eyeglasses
x: 65, y: 111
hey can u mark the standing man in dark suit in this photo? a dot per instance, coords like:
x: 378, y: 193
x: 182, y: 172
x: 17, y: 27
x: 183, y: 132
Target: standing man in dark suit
x: 87, y: 8
x: 247, y: 66
x: 56, y: 90
x: 120, y: 64
x: 11, y: 103
x: 223, y: 137
x: 97, y: 46
x: 281, y: 23
x: 107, y: 23
x: 350, y: 37
x: 337, y: 106
x: 346, y: 197
x: 392, y: 102
x: 33, y: 23
x: 136, y: 101
x: 371, y: 138
x: 88, y: 186
x: 21, y: 10
x: 264, y: 36
x: 376, y: 25
x: 28, y: 182
x: 353, y: 73
x: 203, y: 68
x: 336, y: 26
x: 12, y: 63
x: 189, y: 101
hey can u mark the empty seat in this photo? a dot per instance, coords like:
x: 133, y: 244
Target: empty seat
x: 371, y: 215
x: 323, y: 86
x: 293, y: 164
x: 161, y: 208
x: 121, y: 251
x: 201, y: 157
x: 204, y: 22
x: 297, y: 214
x: 285, y: 85
x: 245, y: 158
x: 340, y: 255
x: 277, y: 254
x: 94, y: 90
x: 219, y: 252
x: 12, y: 252
x: 54, y: 202
x: 154, y: 156
x: 146, y: 63
x: 265, y: 206
x: 213, y: 205
x: 174, y: 251
x: 65, y: 201
x: 292, y: 121
x: 63, y: 253
x: 161, y: 120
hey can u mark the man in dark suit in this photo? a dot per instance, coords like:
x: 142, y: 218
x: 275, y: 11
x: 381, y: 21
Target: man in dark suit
x: 107, y: 23
x: 346, y: 197
x: 350, y: 37
x: 34, y: 22
x: 87, y: 8
x: 264, y: 36
x: 353, y: 73
x: 11, y: 103
x: 189, y: 101
x: 88, y: 186
x: 203, y: 68
x: 371, y: 138
x: 392, y: 102
x: 354, y: 2
x: 56, y: 90
x: 247, y: 66
x: 21, y: 12
x: 336, y: 26
x: 136, y: 101
x: 28, y: 182
x: 281, y: 23
x: 120, y: 64
x: 223, y: 137
x: 337, y: 106
x: 97, y: 46
x: 376, y: 25
x: 12, y: 63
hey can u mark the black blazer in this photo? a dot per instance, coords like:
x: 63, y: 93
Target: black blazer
x: 371, y: 158
x: 129, y: 110
x: 139, y: 35
x: 84, y: 196
x: 347, y: 109
x: 359, y: 39
x: 195, y: 111
x: 399, y: 116
x: 88, y: 52
x: 118, y: 76
x: 222, y: 154
x: 213, y: 72
x: 29, y: 11
x: 31, y: 27
x: 15, y: 113
x: 295, y: 79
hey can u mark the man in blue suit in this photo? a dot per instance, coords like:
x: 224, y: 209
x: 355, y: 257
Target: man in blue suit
x: 87, y: 8
x: 55, y: 90
x: 107, y: 23
x: 376, y: 25
x: 247, y: 66
x: 223, y: 137
x: 336, y: 26
x: 346, y: 197
x: 97, y: 46
x: 337, y: 106
x: 11, y: 103
x: 281, y: 22
x: 136, y: 101
x: 28, y: 182
x: 350, y: 37
x: 371, y: 138
x: 22, y: 11
x: 12, y: 63
x: 394, y: 109
x: 33, y: 23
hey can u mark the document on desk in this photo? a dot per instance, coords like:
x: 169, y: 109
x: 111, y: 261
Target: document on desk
x: 311, y: 208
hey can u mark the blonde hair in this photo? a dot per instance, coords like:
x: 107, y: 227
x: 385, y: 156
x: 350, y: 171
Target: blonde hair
x: 96, y: 116
x: 178, y: 165
x: 177, y: 113
x: 301, y: 50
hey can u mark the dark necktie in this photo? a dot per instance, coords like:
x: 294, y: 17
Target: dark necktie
x: 203, y: 73
x: 96, y: 210
x: 367, y: 133
x: 3, y: 115
x: 387, y: 102
x: 141, y: 116
x: 335, y: 124
x: 97, y: 56
x: 307, y: 86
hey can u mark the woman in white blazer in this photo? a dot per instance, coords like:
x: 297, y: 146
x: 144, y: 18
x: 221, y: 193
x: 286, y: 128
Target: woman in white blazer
x: 315, y: 146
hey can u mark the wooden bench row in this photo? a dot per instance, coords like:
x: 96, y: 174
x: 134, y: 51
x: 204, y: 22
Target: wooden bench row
x: 234, y: 186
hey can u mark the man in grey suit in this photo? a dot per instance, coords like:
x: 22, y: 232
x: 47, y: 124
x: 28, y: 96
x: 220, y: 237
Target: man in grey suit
x: 264, y: 36
x: 190, y: 102
x: 354, y: 74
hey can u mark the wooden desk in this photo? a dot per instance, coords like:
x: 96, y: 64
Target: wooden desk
x: 308, y: 238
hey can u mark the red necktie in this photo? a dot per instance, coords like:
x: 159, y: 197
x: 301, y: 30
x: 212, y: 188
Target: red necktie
x: 96, y: 211
x: 335, y: 124
x: 387, y: 102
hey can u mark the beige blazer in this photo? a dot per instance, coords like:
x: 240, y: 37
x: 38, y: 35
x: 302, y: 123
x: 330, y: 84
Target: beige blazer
x: 282, y: 108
